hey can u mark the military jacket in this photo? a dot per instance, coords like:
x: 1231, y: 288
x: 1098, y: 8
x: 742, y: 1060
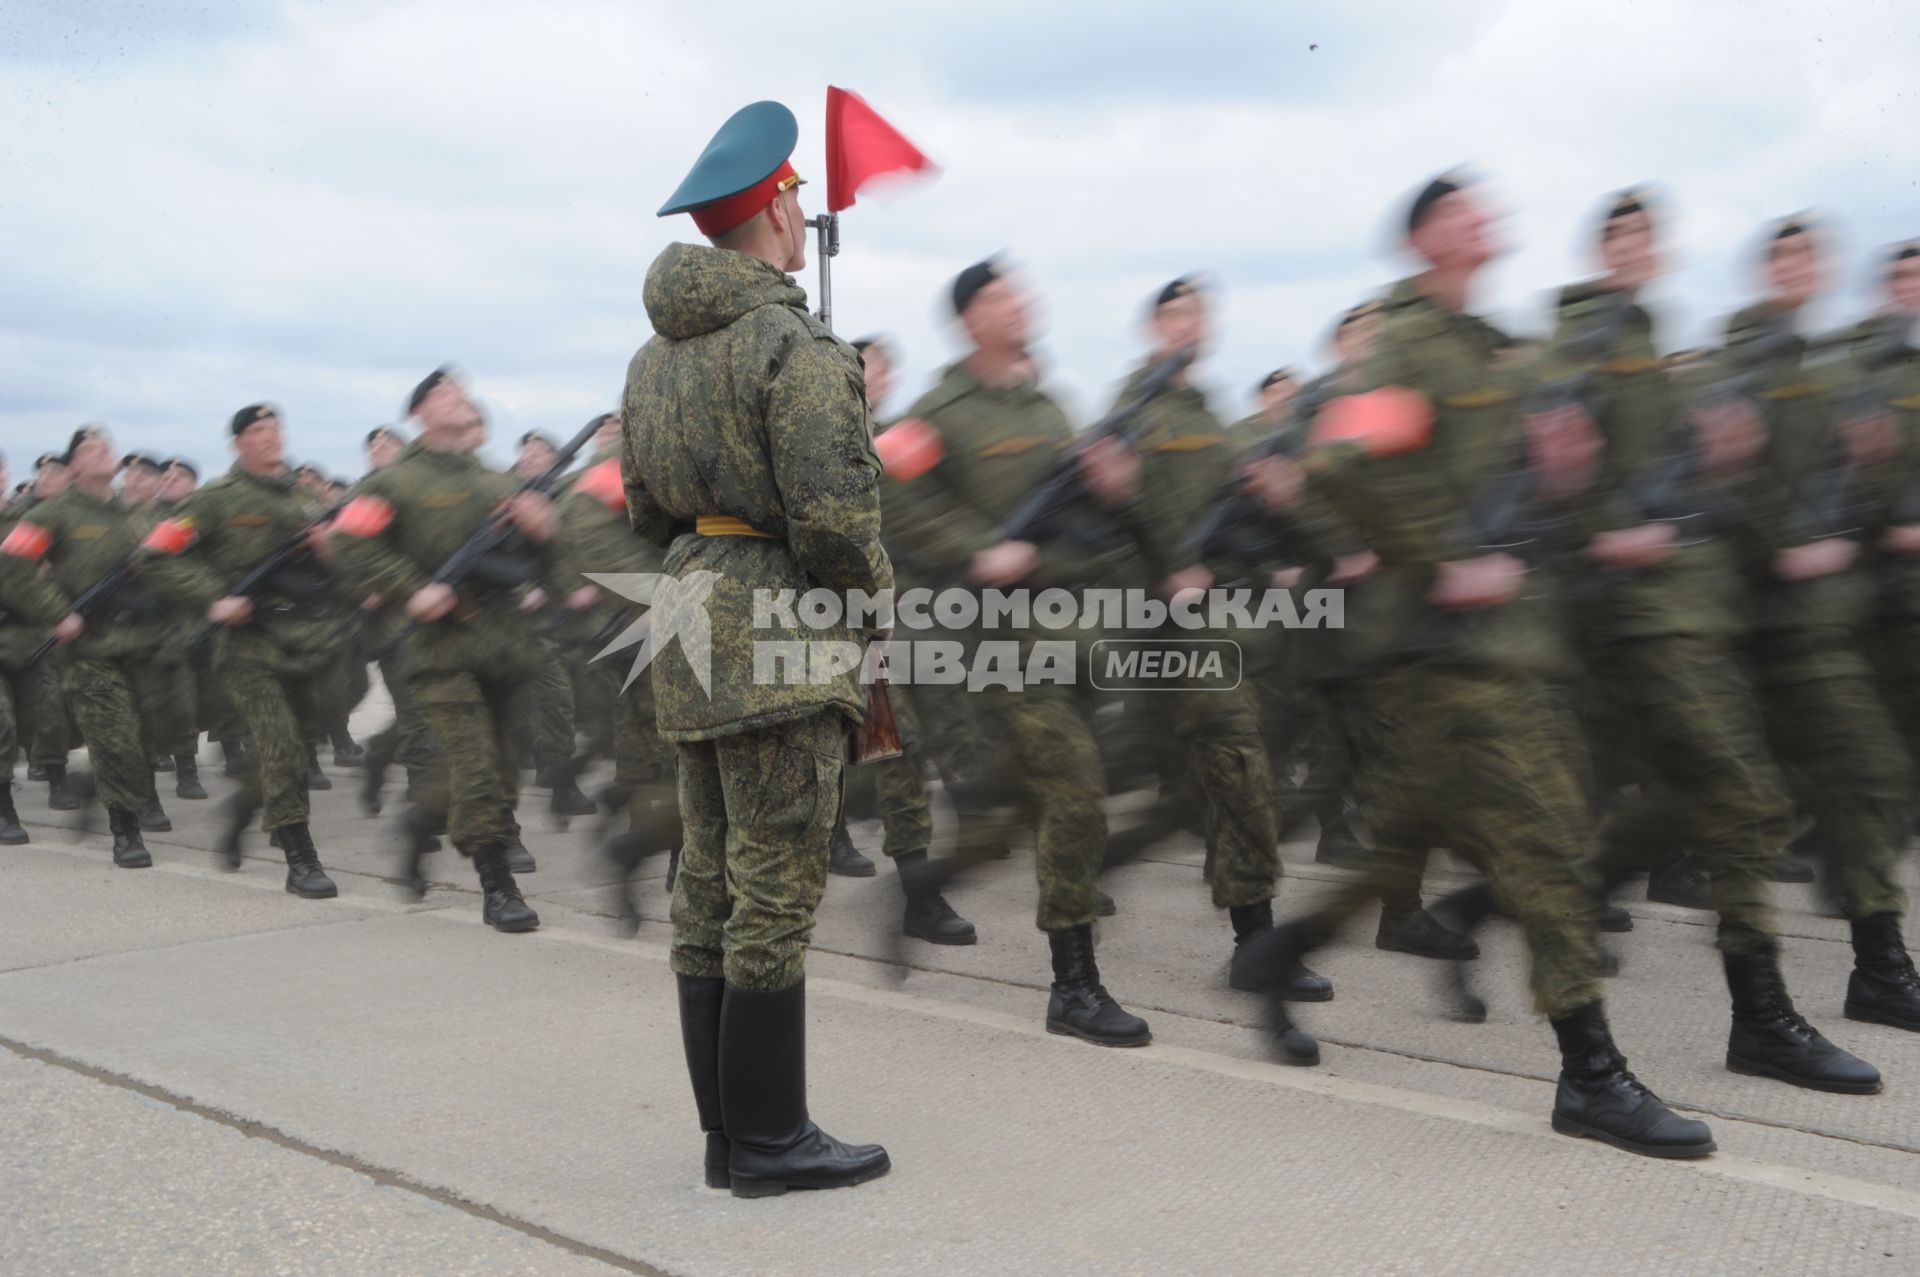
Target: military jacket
x: 81, y: 539
x: 747, y: 454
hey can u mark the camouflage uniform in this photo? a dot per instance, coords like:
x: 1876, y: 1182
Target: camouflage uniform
x: 1895, y: 501
x: 1451, y: 717
x: 276, y: 668
x: 111, y: 679
x: 464, y: 667
x: 747, y: 454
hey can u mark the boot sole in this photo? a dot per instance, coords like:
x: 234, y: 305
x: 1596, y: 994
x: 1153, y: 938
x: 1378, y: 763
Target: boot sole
x: 512, y: 928
x: 1673, y: 1152
x: 190, y: 797
x: 972, y: 937
x: 13, y: 841
x: 1068, y: 1031
x: 780, y: 1187
x: 134, y: 864
x: 868, y: 872
x: 1389, y: 946
x: 1283, y: 994
x: 1754, y: 1068
x: 1867, y: 1015
x: 312, y: 895
x: 166, y: 828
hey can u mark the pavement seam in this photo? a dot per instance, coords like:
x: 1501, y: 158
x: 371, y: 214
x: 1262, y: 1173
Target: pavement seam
x: 381, y: 1175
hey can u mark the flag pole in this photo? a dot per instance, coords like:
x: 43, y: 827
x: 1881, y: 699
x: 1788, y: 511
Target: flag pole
x: 828, y: 227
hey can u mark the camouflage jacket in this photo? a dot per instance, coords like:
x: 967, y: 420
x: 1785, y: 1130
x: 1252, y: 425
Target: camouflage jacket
x: 81, y: 538
x: 596, y: 537
x: 1886, y: 372
x: 1186, y: 457
x: 744, y: 407
x: 409, y: 518
x: 1412, y: 509
x: 221, y: 533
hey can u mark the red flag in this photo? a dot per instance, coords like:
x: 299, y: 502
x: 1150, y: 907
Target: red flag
x: 862, y: 146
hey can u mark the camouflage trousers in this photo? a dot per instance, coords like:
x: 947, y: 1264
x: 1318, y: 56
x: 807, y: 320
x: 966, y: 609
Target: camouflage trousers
x: 465, y: 674
x: 279, y: 697
x: 1675, y: 718
x: 595, y: 690
x: 1398, y: 871
x: 644, y: 767
x: 1474, y: 761
x: 759, y: 809
x: 1848, y: 771
x: 1218, y: 731
x: 46, y: 719
x: 115, y: 701
x: 1895, y: 649
x: 1045, y: 735
x: 543, y: 709
x: 407, y: 740
x: 900, y: 784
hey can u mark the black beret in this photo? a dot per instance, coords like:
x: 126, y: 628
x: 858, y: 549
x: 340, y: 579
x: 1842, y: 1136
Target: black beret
x: 251, y: 413
x: 968, y: 283
x: 542, y: 436
x: 184, y: 464
x: 146, y: 459
x: 388, y: 431
x: 1277, y: 376
x: 427, y: 386
x: 1902, y: 252
x: 1185, y: 286
x: 1430, y: 194
x: 80, y: 436
x: 864, y: 344
x: 1624, y: 204
x: 1356, y: 313
x: 46, y: 459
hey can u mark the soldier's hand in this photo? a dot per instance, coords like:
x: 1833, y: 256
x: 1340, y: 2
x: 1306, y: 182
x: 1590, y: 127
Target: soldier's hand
x: 1564, y: 449
x: 583, y: 598
x: 320, y: 540
x: 1902, y: 539
x: 533, y: 600
x: 235, y: 609
x: 1003, y: 564
x: 1110, y: 471
x: 70, y: 628
x: 1815, y: 559
x: 1287, y: 578
x: 1275, y: 482
x: 533, y: 514
x: 1483, y: 582
x: 1351, y: 567
x: 372, y: 603
x: 1640, y: 547
x: 1730, y: 435
x: 1193, y: 580
x: 432, y: 601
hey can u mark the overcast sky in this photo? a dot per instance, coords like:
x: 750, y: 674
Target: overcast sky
x: 215, y: 202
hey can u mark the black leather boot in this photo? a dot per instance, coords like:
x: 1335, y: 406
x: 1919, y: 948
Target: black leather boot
x: 625, y: 852
x: 1608, y: 916
x: 235, y: 761
x: 566, y: 799
x: 373, y: 779
x: 700, y: 1000
x: 1267, y: 959
x: 1883, y: 988
x: 519, y: 859
x: 504, y: 909
x: 305, y: 877
x: 843, y: 858
x: 186, y: 777
x: 1682, y: 883
x: 929, y: 917
x: 346, y: 750
x: 236, y: 817
x: 1599, y: 1099
x: 60, y: 795
x: 1771, y: 1039
x: 772, y: 1146
x: 129, y: 849
x: 420, y: 828
x: 153, y: 817
x: 316, y: 779
x: 1079, y: 1004
x: 11, y: 834
x: 1103, y: 905
x: 1424, y: 936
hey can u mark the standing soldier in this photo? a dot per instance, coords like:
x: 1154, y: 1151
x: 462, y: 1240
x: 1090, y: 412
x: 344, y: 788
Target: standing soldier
x: 988, y: 436
x: 1451, y: 718
x: 471, y: 644
x: 747, y: 455
x: 276, y: 645
x: 112, y: 678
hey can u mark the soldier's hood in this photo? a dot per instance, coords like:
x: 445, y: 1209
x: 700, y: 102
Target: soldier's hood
x: 693, y: 289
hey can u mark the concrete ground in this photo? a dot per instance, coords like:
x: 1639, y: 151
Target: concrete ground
x: 204, y: 1074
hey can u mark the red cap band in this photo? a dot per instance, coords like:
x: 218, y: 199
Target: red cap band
x: 723, y: 215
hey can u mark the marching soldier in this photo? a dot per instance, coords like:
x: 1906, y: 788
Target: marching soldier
x: 471, y: 645
x: 17, y: 642
x: 276, y: 646
x: 407, y: 741
x: 747, y: 456
x: 112, y: 677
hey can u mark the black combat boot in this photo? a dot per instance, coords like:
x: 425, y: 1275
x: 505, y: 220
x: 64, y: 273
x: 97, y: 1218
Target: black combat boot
x: 1079, y: 1004
x: 625, y: 852
x: 129, y: 849
x: 373, y: 778
x: 305, y: 877
x: 236, y: 816
x: 235, y: 761
x: 11, y: 834
x: 700, y: 1000
x: 420, y: 828
x: 1883, y: 988
x: 1266, y: 958
x: 1424, y: 936
x: 60, y: 795
x: 1103, y: 905
x: 37, y: 771
x: 316, y: 779
x: 153, y: 817
x: 1608, y: 916
x: 843, y: 858
x: 772, y: 1146
x: 1682, y: 883
x: 929, y: 917
x: 504, y: 909
x: 186, y: 777
x: 346, y: 751
x: 1598, y: 1099
x: 1338, y: 844
x: 519, y: 859
x: 566, y: 799
x: 1770, y: 1039
x: 164, y: 763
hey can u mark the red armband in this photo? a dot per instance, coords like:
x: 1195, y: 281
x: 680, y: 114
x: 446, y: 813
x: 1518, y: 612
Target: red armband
x: 170, y: 536
x: 1386, y: 422
x: 27, y: 541
x: 604, y: 484
x: 365, y: 516
x: 909, y: 449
